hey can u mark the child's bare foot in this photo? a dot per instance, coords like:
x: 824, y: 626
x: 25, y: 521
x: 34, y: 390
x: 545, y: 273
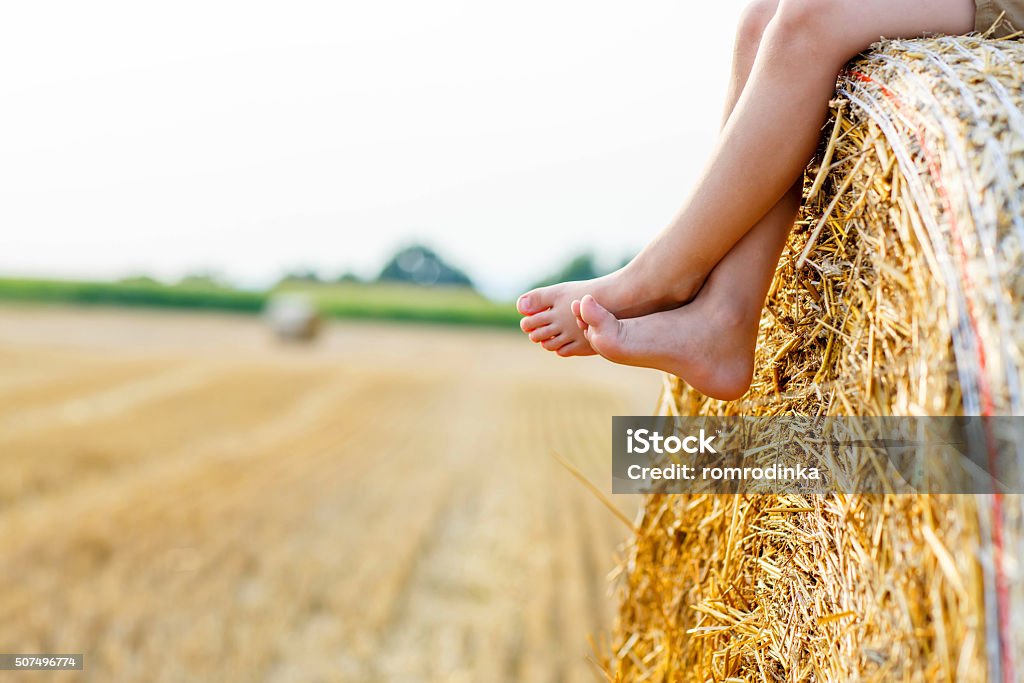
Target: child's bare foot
x: 629, y: 292
x: 708, y: 343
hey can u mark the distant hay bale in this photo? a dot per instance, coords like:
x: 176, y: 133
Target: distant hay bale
x: 293, y: 317
x: 900, y: 293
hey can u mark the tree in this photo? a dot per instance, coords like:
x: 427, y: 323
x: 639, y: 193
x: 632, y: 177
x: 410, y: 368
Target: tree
x: 144, y: 280
x: 204, y: 279
x: 421, y: 265
x: 306, y: 276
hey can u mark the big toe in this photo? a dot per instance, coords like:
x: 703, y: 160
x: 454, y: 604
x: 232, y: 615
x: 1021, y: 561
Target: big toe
x: 604, y: 331
x: 535, y: 301
x: 575, y: 306
x: 595, y: 315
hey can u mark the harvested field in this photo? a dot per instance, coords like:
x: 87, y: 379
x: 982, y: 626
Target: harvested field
x: 183, y: 499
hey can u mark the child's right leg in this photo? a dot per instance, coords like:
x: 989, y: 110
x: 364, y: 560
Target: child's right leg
x: 543, y: 328
x: 768, y: 139
x: 710, y: 342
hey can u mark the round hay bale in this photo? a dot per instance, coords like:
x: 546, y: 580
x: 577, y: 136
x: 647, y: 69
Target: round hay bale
x: 293, y: 317
x: 899, y: 294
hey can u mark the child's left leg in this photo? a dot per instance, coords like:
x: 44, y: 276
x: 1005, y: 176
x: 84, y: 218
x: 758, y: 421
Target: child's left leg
x: 764, y: 147
x: 710, y: 342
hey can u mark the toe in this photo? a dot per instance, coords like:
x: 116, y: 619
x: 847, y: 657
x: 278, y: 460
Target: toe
x: 576, y: 312
x: 534, y: 301
x: 575, y: 348
x: 594, y: 314
x: 542, y: 333
x: 556, y: 342
x: 604, y: 331
x: 532, y: 322
x: 568, y: 349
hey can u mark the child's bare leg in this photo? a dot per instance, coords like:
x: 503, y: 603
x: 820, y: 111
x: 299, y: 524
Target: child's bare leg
x: 734, y: 293
x: 710, y: 342
x: 769, y: 137
x: 546, y: 327
x: 778, y: 220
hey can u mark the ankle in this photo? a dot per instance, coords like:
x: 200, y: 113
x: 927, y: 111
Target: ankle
x: 656, y: 283
x: 684, y: 289
x: 729, y: 315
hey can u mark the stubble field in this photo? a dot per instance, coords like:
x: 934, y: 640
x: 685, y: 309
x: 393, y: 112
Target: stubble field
x: 183, y: 499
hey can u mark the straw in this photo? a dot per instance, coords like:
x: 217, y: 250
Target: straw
x: 900, y: 293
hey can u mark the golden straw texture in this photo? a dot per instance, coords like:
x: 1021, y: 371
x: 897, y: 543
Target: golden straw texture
x: 900, y: 293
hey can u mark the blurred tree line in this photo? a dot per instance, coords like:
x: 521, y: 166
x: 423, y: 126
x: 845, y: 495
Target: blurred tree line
x: 415, y: 264
x: 418, y: 264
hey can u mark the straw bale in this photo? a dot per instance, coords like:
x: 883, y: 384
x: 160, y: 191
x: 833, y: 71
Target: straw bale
x: 899, y: 293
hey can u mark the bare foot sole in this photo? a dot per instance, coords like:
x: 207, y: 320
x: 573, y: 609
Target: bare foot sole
x: 708, y: 346
x: 550, y: 321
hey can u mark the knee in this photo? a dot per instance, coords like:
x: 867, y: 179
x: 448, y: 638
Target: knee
x: 808, y: 22
x: 753, y: 22
x: 843, y: 24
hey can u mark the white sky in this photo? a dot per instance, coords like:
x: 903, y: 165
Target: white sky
x: 250, y: 138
